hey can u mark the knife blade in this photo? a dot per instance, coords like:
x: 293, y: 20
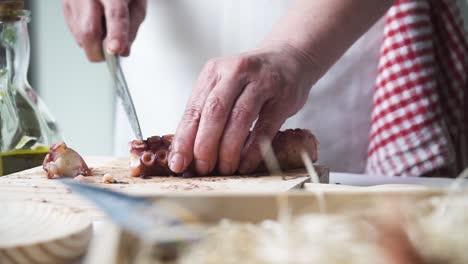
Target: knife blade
x: 121, y: 88
x: 147, y: 219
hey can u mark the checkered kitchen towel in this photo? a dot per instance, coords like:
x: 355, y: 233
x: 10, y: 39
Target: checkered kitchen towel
x: 420, y: 111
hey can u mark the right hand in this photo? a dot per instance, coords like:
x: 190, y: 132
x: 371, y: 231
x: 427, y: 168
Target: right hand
x: 123, y: 17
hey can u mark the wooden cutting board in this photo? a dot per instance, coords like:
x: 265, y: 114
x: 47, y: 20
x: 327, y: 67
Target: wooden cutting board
x: 32, y: 232
x: 33, y: 184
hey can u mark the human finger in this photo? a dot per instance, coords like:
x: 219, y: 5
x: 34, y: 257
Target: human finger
x: 181, y: 153
x: 215, y: 114
x: 243, y: 114
x: 117, y: 25
x: 84, y: 20
x: 268, y: 123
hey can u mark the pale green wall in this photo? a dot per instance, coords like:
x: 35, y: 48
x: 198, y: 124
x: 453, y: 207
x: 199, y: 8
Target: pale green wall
x: 77, y: 92
x: 463, y: 4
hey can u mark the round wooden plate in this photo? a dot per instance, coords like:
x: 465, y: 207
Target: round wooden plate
x: 32, y: 232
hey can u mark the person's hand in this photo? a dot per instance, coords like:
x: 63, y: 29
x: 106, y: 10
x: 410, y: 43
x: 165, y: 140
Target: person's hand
x: 122, y: 17
x: 270, y: 84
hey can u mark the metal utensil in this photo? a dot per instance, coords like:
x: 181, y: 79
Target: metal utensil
x: 123, y: 93
x: 144, y: 218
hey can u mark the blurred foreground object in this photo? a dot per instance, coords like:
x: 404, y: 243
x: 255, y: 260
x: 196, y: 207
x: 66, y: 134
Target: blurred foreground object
x: 42, y: 233
x: 399, y: 227
x: 26, y: 126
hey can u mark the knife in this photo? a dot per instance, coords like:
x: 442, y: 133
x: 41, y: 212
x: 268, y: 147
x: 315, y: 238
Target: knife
x: 121, y: 88
x: 153, y: 222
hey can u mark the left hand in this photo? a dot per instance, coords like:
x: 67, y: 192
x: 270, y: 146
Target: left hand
x: 123, y: 18
x: 268, y: 85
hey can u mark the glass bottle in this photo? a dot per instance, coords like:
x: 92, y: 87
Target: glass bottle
x: 27, y: 128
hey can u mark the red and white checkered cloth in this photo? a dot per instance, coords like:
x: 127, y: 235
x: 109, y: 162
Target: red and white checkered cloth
x: 420, y: 111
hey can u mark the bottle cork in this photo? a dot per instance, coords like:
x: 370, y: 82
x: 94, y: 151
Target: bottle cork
x: 11, y: 5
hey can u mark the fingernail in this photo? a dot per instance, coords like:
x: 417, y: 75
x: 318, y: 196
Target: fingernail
x: 177, y: 163
x: 202, y: 167
x: 113, y: 47
x: 225, y: 168
x: 96, y: 55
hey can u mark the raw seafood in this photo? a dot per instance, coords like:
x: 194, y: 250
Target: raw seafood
x: 149, y: 157
x: 63, y: 161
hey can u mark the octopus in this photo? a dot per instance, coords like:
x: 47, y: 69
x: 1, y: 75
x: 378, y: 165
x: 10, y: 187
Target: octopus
x: 63, y: 161
x: 150, y: 157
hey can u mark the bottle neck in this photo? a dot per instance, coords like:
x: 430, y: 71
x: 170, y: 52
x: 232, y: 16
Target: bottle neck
x: 14, y: 53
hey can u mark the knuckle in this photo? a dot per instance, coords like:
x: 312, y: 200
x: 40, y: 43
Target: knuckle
x: 202, y: 151
x: 242, y: 62
x: 118, y: 12
x: 241, y: 114
x: 209, y: 74
x: 192, y: 115
x: 276, y: 79
x: 259, y: 90
x: 88, y: 33
x: 179, y: 144
x: 216, y: 108
x: 273, y: 80
x: 239, y: 66
x: 210, y: 67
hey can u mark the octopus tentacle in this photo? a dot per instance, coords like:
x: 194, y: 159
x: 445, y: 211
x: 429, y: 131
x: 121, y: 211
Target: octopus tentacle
x: 149, y: 157
x: 64, y: 161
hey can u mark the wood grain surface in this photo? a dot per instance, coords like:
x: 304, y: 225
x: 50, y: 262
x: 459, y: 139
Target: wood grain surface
x: 32, y: 232
x: 33, y: 184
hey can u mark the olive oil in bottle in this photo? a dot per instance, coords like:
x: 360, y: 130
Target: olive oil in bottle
x: 26, y: 126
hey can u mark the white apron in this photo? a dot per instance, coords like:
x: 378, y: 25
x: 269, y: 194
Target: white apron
x: 179, y: 36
